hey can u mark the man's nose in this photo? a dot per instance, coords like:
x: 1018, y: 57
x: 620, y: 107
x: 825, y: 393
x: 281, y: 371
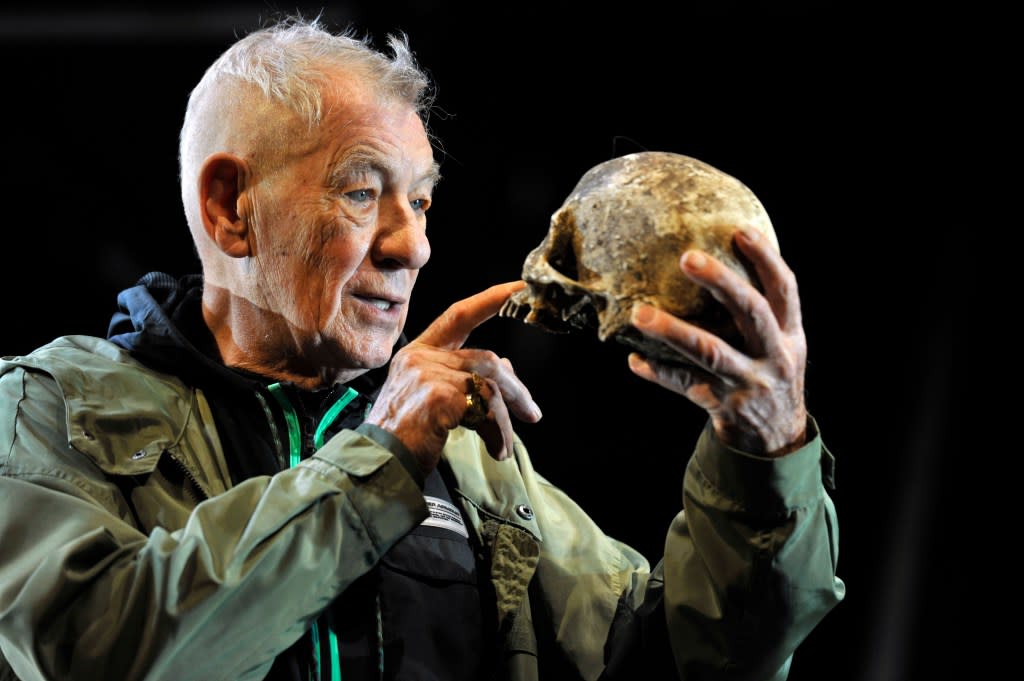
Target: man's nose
x: 402, y: 238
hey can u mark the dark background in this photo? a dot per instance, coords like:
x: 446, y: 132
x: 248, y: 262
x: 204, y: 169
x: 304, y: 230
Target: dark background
x: 820, y: 112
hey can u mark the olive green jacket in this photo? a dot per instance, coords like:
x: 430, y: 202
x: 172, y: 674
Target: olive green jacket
x: 199, y: 579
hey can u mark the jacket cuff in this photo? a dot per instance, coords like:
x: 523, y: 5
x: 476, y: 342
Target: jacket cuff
x: 763, y: 483
x: 378, y: 487
x: 388, y: 441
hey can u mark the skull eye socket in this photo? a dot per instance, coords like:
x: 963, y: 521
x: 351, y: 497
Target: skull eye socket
x: 561, y: 254
x: 564, y: 261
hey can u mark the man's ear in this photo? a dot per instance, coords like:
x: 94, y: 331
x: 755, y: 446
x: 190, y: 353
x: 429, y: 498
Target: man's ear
x: 221, y: 182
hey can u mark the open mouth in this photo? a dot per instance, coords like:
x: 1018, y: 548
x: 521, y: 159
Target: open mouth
x: 380, y: 303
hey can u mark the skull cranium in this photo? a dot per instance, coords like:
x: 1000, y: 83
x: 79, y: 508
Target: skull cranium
x: 616, y: 241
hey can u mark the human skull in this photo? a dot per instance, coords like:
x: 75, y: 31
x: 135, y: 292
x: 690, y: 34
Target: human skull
x: 617, y: 239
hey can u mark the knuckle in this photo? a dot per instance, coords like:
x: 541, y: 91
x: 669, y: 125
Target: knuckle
x: 756, y: 307
x: 490, y: 357
x: 710, y: 353
x: 788, y: 286
x: 455, y: 314
x: 401, y: 362
x: 413, y: 363
x: 759, y: 326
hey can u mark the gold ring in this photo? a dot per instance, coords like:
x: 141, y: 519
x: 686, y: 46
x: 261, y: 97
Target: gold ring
x: 476, y: 403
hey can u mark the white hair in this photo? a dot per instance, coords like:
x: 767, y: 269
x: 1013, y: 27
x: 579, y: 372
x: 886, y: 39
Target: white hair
x: 290, y: 62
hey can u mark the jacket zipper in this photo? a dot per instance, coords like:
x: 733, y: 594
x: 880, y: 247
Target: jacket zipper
x: 203, y: 496
x: 297, y: 446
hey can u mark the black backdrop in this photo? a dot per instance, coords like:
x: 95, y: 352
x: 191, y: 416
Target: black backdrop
x: 819, y: 112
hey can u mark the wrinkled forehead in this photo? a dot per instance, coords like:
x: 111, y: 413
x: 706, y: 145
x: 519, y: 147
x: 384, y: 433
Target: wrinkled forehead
x: 351, y: 110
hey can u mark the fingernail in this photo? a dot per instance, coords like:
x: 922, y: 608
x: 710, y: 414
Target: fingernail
x: 641, y: 314
x: 694, y: 260
x: 537, y: 414
x: 751, y: 235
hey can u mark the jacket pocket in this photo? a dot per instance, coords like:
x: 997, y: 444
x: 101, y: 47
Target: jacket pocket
x: 432, y: 620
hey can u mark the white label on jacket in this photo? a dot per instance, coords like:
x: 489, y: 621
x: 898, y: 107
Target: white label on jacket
x: 443, y: 514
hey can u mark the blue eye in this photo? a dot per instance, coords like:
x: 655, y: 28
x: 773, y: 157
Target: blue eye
x: 419, y: 204
x: 361, y: 195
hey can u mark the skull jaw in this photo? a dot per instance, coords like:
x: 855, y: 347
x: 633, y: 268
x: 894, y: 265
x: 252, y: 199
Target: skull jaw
x: 551, y: 309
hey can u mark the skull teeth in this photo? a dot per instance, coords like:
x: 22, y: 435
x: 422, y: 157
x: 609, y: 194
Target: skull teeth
x: 514, y: 310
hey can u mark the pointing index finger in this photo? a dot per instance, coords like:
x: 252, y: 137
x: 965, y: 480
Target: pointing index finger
x: 453, y: 327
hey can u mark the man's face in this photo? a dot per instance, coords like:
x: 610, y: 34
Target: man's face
x: 339, y: 230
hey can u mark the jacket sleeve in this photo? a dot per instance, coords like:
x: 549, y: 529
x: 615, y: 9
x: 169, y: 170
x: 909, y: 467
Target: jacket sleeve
x: 749, y: 569
x: 85, y: 594
x: 749, y: 566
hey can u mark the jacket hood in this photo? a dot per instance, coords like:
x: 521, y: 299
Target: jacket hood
x: 159, y: 321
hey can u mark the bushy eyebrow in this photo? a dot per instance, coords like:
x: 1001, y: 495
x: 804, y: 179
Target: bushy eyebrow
x: 432, y: 176
x: 366, y: 162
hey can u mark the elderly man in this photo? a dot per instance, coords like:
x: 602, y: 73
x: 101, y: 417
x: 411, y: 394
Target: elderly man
x: 256, y: 476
